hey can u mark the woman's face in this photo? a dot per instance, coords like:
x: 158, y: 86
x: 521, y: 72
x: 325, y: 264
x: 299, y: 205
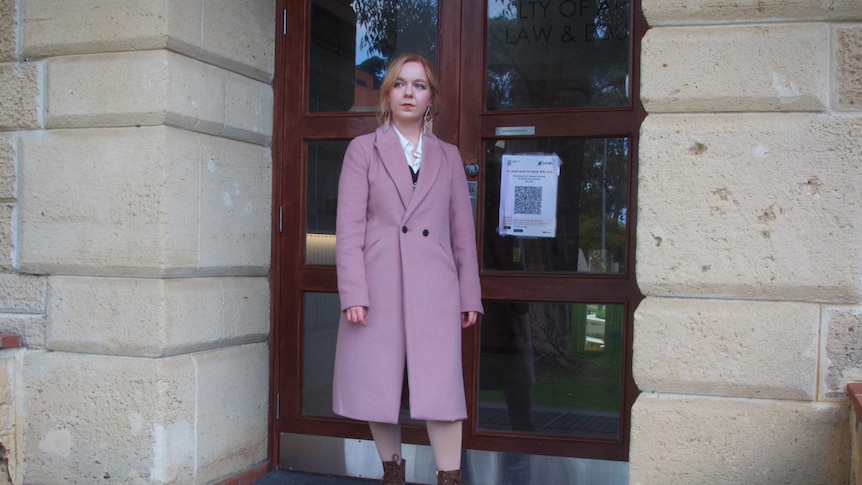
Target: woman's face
x: 410, y: 95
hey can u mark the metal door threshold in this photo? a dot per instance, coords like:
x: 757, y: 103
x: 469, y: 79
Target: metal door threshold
x: 320, y: 456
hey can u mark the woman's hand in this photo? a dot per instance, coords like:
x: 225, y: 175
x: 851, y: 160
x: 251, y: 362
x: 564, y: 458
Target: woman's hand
x: 356, y: 314
x: 468, y: 319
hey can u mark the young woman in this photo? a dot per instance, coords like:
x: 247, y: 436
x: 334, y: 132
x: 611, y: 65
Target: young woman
x: 407, y: 274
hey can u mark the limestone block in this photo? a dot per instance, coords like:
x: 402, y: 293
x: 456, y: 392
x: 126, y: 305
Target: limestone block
x: 233, y: 393
x: 19, y: 96
x: 841, y: 359
x: 8, y: 416
x: 7, y: 236
x: 7, y: 388
x: 245, y: 311
x: 195, y: 96
x: 118, y: 201
x: 155, y: 87
x: 150, y: 201
x: 30, y: 327
x: 22, y: 293
x: 696, y: 440
x: 8, y: 154
x: 240, y: 36
x: 763, y: 350
x: 117, y: 89
x: 155, y: 317
x: 736, y: 68
x: 235, y: 207
x: 248, y: 109
x: 750, y: 207
x: 184, y: 21
x: 660, y: 12
x: 8, y: 28
x: 60, y: 27
x: 106, y: 419
x: 848, y: 75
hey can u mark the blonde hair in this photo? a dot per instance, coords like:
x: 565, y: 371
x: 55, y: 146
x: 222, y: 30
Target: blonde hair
x: 384, y: 111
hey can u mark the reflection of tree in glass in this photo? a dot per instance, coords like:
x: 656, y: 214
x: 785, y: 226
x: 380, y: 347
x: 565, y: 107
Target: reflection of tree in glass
x: 603, y: 202
x: 612, y: 20
x: 498, y: 87
x: 591, y: 205
x: 591, y: 216
x: 393, y: 27
x: 376, y: 67
x: 551, y: 57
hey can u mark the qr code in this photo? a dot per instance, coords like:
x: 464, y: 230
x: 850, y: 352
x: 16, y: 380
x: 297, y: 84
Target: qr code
x: 528, y: 200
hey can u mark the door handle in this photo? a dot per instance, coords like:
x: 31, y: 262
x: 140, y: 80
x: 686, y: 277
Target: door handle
x: 472, y: 169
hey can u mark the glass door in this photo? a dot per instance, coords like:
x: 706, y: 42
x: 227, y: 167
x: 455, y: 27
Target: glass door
x: 540, y: 98
x: 330, y: 63
x: 550, y: 117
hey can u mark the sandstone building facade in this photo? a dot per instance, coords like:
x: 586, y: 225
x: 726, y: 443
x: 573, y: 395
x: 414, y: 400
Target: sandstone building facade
x: 136, y: 224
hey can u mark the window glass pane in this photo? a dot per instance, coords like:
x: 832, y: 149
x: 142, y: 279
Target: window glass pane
x: 320, y: 328
x: 583, y: 229
x: 557, y: 54
x: 551, y: 368
x: 323, y: 168
x: 351, y: 42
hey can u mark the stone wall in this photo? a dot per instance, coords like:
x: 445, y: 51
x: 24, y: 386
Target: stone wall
x: 749, y: 242
x: 135, y: 217
x: 135, y: 179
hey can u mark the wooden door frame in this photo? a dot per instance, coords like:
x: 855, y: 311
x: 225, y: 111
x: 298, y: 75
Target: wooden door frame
x: 289, y: 95
x: 288, y: 208
x: 624, y: 121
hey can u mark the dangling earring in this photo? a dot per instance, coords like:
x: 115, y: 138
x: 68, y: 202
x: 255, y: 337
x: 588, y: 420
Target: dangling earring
x: 429, y: 122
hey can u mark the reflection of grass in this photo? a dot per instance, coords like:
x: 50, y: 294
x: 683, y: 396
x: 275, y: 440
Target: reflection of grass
x: 591, y: 390
x: 582, y: 383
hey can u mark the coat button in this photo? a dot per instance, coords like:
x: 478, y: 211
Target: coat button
x: 404, y: 229
x: 425, y: 233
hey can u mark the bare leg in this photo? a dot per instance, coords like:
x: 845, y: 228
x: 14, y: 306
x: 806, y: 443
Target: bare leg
x: 387, y: 437
x: 445, y: 437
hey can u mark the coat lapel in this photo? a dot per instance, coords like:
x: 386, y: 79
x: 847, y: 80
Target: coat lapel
x: 392, y: 156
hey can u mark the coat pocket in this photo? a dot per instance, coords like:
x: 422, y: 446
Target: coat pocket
x: 370, y: 245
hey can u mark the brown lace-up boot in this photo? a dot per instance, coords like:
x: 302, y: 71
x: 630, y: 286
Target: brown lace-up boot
x: 393, y: 472
x: 449, y: 478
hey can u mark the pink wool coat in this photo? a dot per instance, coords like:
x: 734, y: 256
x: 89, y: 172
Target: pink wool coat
x: 409, y: 256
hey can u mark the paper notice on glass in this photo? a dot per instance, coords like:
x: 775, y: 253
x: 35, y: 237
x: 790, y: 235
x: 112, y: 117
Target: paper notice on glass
x: 528, y: 195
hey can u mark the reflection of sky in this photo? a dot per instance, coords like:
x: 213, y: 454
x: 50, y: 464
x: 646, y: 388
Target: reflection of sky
x: 497, y: 8
x: 362, y: 53
x: 495, y: 11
